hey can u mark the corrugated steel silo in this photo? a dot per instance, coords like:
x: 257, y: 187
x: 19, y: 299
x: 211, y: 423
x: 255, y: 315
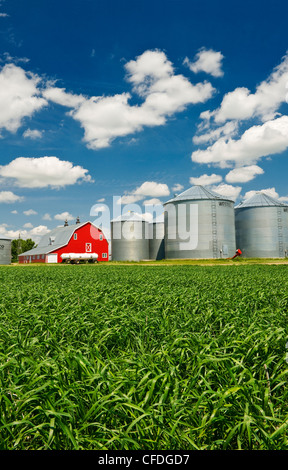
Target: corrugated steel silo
x: 5, y: 250
x: 156, y: 239
x: 199, y: 224
x: 262, y: 227
x: 129, y: 238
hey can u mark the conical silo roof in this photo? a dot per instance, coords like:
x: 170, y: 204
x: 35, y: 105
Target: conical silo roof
x: 260, y: 200
x: 197, y: 193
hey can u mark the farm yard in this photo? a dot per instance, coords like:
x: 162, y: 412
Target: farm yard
x: 128, y: 357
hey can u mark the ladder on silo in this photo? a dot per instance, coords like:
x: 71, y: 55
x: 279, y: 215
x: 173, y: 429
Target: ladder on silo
x: 214, y: 230
x: 280, y: 233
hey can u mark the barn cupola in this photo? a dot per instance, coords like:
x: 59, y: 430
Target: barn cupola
x: 78, y: 220
x: 66, y: 223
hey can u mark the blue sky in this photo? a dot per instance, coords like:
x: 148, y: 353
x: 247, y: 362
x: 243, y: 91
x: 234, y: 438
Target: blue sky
x: 139, y: 100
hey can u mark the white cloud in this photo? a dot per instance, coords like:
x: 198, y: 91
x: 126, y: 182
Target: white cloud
x: 228, y: 130
x: 8, y: 233
x: 148, y: 68
x: 148, y: 188
x: 30, y: 212
x: 208, y: 61
x: 64, y: 216
x: 283, y: 199
x: 43, y: 172
x: 46, y: 217
x: 104, y: 118
x: 177, y: 187
x: 205, y: 180
x: 269, y: 95
x: 227, y: 190
x: 98, y: 208
x: 243, y: 174
x: 35, y: 233
x: 28, y: 225
x: 129, y: 199
x: 147, y: 216
x: 16, y: 60
x: 154, y: 201
x: 19, y: 96
x: 151, y: 188
x: 14, y: 212
x: 4, y: 15
x: 33, y: 134
x: 172, y: 94
x: 256, y: 142
x: 8, y: 197
x: 62, y: 97
x: 270, y: 191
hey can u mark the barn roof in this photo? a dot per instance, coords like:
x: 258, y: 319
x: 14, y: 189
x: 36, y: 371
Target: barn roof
x: 55, y: 239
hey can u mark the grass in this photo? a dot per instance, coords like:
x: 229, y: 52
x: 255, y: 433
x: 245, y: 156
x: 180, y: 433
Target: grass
x: 184, y: 262
x: 140, y: 357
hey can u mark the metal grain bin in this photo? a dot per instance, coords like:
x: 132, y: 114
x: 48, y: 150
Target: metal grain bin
x: 129, y: 238
x: 156, y: 239
x: 5, y: 250
x: 199, y: 224
x: 262, y: 227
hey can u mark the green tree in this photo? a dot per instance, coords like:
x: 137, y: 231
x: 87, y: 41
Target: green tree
x: 19, y: 246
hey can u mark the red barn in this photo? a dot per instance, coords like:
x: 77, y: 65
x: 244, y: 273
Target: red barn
x: 82, y: 240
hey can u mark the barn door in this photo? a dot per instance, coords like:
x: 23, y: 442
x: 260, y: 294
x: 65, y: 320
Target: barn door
x: 53, y: 258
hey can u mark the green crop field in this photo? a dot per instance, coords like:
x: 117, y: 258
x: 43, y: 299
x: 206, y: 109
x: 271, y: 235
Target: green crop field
x: 143, y: 357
